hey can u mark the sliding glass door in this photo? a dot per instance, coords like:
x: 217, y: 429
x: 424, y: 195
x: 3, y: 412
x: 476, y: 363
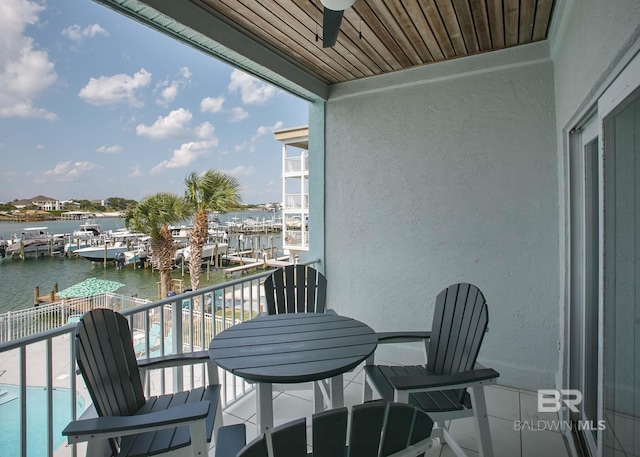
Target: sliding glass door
x: 621, y: 310
x: 586, y: 269
x: 604, y: 270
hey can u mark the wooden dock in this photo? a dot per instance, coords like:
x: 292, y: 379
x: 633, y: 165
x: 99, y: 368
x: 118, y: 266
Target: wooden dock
x: 249, y: 263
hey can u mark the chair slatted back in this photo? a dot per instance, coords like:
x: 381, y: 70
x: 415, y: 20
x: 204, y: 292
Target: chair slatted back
x: 329, y: 432
x: 295, y: 289
x: 366, y: 423
x: 290, y: 439
x: 459, y: 323
x: 399, y: 429
x: 377, y: 429
x: 107, y: 361
x: 256, y: 448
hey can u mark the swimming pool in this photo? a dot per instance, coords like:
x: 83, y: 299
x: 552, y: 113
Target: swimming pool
x: 36, y: 420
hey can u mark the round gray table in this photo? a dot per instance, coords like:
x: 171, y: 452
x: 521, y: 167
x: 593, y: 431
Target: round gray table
x: 292, y: 348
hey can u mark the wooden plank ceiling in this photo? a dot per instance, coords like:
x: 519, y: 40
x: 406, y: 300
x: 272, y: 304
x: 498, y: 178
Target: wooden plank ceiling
x: 382, y: 36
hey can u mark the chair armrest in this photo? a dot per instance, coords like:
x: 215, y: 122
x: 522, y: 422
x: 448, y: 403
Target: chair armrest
x: 111, y: 426
x: 437, y: 382
x: 402, y: 337
x: 174, y: 360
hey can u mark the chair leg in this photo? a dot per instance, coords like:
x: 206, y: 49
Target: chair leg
x: 318, y: 397
x: 198, y: 439
x: 218, y: 421
x: 336, y: 387
x: 482, y: 421
x: 367, y: 391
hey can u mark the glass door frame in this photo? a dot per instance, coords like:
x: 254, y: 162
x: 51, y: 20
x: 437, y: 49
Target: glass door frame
x: 609, y: 99
x: 585, y: 183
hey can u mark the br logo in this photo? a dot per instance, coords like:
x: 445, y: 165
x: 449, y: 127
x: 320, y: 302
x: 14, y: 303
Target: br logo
x: 551, y: 400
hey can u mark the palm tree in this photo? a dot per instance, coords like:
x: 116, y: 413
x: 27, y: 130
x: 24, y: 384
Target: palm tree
x: 152, y: 216
x: 209, y: 191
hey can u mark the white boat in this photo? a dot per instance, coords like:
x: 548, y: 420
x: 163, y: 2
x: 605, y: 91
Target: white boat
x: 137, y: 256
x: 88, y: 229
x: 85, y: 236
x: 208, y: 252
x: 234, y: 224
x: 35, y: 241
x: 118, y: 242
x: 181, y: 233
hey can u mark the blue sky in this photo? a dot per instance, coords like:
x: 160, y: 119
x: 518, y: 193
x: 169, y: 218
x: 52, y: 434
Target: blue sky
x: 95, y: 105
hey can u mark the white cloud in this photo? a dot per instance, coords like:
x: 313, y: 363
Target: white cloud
x: 168, y: 94
x: 250, y: 146
x: 70, y: 171
x: 252, y: 90
x: 109, y: 149
x: 265, y: 129
x: 120, y: 88
x: 211, y: 105
x: 169, y: 90
x: 77, y: 33
x: 40, y: 146
x: 176, y: 125
x: 135, y: 172
x: 186, y: 155
x: 25, y: 72
x: 240, y: 170
x: 238, y: 114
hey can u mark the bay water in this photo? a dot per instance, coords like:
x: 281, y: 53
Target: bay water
x: 18, y: 278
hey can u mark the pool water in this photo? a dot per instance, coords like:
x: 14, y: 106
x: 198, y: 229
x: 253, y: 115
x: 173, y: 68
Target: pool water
x: 36, y: 420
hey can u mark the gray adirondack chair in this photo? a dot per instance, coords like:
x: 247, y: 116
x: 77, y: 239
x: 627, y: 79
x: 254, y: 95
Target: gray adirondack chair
x: 299, y: 289
x: 295, y: 289
x: 451, y: 384
x: 127, y: 424
x: 376, y: 429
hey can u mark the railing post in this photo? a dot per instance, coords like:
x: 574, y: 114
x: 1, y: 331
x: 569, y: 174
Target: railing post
x: 176, y: 343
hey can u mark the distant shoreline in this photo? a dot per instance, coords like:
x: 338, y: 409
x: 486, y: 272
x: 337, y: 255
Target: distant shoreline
x: 43, y: 216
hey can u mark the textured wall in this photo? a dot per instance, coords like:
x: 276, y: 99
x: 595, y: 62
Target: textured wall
x: 595, y: 32
x: 447, y: 182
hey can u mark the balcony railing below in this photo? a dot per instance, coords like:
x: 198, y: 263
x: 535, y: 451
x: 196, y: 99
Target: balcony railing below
x: 46, y: 360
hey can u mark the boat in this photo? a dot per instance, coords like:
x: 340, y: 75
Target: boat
x: 208, y: 252
x: 85, y: 236
x: 89, y: 228
x: 234, y: 224
x: 115, y: 243
x: 137, y: 256
x: 35, y: 241
x: 180, y: 233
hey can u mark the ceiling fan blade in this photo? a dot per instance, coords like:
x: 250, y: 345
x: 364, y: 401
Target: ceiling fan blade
x: 330, y: 26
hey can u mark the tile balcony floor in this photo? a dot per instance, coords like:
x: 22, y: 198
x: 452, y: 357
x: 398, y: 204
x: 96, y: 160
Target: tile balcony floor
x: 505, y: 406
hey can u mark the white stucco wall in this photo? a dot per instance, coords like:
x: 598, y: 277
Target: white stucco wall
x: 590, y: 37
x: 449, y: 181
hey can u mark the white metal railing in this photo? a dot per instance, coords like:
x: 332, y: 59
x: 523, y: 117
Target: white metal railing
x: 25, y: 322
x: 296, y: 164
x: 296, y: 201
x: 295, y: 239
x: 188, y: 321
